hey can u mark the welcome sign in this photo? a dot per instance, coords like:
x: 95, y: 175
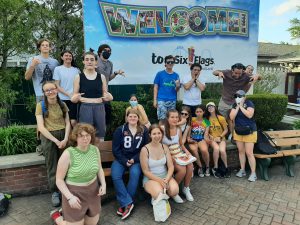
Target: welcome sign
x: 214, y: 33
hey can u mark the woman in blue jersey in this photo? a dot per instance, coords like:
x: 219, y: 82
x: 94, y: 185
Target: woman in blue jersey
x: 128, y: 141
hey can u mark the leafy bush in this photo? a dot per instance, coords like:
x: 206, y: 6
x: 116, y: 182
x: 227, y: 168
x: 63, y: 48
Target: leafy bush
x: 296, y: 125
x: 17, y: 140
x: 270, y: 80
x: 269, y: 109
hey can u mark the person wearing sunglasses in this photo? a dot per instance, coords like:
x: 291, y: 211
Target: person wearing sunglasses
x: 166, y: 85
x: 233, y: 80
x: 245, y: 132
x: 185, y: 122
x: 193, y: 85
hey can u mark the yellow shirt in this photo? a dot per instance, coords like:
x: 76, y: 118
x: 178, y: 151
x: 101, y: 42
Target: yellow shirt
x: 143, y: 116
x: 55, y: 119
x: 217, y: 126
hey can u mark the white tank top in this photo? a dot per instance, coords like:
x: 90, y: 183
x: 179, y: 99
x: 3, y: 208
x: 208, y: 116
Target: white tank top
x: 157, y: 167
x: 174, y: 139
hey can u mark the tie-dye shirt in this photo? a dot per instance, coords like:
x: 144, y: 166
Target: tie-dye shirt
x: 198, y: 128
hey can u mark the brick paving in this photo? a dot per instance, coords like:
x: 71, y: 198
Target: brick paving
x: 217, y: 201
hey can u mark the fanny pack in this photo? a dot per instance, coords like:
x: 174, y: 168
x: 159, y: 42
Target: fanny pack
x: 245, y: 130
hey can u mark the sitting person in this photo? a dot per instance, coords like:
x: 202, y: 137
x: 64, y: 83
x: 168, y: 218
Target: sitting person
x: 217, y: 131
x: 185, y: 122
x: 173, y: 138
x: 134, y: 105
x: 157, y: 165
x: 127, y: 143
x: 78, y: 171
x: 198, y: 135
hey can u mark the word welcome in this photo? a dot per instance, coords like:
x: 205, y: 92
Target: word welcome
x: 154, y: 22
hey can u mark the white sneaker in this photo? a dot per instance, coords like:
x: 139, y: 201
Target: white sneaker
x: 186, y: 191
x: 177, y: 199
x: 241, y: 173
x: 230, y: 136
x: 252, y: 177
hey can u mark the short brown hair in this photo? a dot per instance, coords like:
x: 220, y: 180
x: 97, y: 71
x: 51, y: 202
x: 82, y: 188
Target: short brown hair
x: 78, y: 129
x: 39, y: 43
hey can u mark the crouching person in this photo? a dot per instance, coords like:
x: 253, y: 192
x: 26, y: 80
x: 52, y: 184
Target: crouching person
x: 157, y: 165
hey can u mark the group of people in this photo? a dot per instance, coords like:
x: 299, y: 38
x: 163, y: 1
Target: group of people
x: 73, y: 108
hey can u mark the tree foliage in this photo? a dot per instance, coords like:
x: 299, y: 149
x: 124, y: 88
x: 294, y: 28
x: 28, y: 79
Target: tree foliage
x: 16, y: 28
x: 270, y: 80
x: 295, y: 27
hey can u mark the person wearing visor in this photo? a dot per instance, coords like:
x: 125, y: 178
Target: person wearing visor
x: 166, y: 85
x: 105, y: 67
x: 245, y: 132
x: 233, y: 80
x: 217, y: 131
x: 133, y: 101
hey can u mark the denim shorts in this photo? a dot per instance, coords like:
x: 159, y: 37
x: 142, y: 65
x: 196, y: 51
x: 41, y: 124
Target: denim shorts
x: 163, y: 107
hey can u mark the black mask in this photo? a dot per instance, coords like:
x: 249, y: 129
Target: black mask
x: 106, y: 54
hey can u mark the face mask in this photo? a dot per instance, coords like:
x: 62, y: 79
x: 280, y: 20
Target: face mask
x: 133, y: 103
x: 238, y: 100
x: 105, y: 54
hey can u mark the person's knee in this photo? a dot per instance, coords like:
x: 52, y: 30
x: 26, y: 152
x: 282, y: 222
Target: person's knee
x: 135, y: 172
x: 173, y: 190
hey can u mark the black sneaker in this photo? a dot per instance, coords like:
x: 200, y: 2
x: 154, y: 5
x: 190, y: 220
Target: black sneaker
x: 215, y: 172
x: 227, y: 173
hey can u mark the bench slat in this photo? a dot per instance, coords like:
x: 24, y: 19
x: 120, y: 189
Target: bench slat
x: 280, y: 142
x: 105, y: 146
x: 291, y: 152
x: 283, y: 133
x: 264, y: 156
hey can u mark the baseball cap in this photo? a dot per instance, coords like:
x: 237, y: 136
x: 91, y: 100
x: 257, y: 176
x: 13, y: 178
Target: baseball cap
x: 210, y: 103
x: 240, y: 93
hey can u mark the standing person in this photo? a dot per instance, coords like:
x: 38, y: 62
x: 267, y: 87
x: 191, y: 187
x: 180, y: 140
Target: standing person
x: 198, y: 137
x: 105, y: 67
x: 166, y: 85
x: 54, y: 125
x: 157, y: 165
x: 173, y: 138
x: 64, y: 77
x: 90, y: 90
x: 245, y: 133
x: 41, y: 67
x: 185, y: 122
x: 128, y: 141
x: 78, y: 171
x: 217, y: 131
x: 133, y: 101
x: 233, y: 80
x: 193, y: 85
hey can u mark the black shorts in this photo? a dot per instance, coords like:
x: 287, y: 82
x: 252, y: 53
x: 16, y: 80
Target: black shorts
x: 73, y: 109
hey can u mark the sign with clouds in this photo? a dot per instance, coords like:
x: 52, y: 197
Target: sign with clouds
x: 216, y: 34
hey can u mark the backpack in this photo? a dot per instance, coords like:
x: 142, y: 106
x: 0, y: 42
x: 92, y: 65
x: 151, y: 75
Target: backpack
x: 4, y: 203
x: 47, y: 74
x: 263, y: 145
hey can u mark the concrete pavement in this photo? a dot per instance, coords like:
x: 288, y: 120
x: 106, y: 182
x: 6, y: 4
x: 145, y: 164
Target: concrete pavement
x: 217, y: 201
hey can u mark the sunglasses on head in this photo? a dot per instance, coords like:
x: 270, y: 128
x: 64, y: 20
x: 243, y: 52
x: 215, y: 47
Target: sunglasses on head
x: 184, y: 114
x: 239, y: 96
x: 170, y: 62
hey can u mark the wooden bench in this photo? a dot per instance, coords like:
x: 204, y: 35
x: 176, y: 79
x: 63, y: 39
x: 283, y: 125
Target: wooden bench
x: 107, y: 156
x: 286, y: 141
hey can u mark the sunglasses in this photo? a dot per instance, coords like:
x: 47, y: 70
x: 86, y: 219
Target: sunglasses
x: 239, y: 96
x: 184, y: 114
x: 170, y: 62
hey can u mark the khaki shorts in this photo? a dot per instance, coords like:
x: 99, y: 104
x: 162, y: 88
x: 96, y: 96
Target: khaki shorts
x: 224, y: 109
x: 251, y: 138
x: 90, y: 202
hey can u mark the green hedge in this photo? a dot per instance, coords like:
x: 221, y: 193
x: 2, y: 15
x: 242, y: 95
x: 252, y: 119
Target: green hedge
x: 269, y: 109
x: 17, y: 140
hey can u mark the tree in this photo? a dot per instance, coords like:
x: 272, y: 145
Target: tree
x: 269, y: 81
x: 61, y: 22
x: 16, y: 28
x: 295, y: 27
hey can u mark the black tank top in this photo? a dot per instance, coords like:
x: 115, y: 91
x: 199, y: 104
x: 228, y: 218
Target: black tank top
x: 90, y: 88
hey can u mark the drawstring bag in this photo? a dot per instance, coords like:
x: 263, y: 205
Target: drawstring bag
x: 161, y: 207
